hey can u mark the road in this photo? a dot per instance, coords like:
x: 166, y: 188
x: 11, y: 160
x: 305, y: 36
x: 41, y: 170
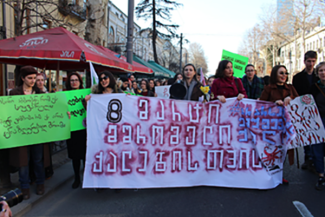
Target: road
x: 194, y: 201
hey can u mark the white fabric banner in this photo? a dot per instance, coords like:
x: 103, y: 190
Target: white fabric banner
x: 306, y: 121
x: 143, y: 142
x: 162, y: 91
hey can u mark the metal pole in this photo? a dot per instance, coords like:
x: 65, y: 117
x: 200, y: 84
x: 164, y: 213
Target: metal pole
x: 180, y: 60
x: 4, y: 37
x: 129, y: 46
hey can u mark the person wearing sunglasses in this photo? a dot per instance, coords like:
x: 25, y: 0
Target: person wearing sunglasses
x: 76, y: 145
x: 281, y: 93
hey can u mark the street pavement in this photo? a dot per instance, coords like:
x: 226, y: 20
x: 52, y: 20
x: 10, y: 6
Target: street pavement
x: 194, y: 201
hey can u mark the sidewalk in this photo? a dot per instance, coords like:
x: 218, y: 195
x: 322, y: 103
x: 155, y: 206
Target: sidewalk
x: 63, y: 172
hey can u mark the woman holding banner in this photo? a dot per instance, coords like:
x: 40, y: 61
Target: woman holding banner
x: 145, y: 88
x: 225, y: 85
x: 77, y: 142
x: 22, y: 156
x: 191, y: 84
x: 318, y: 91
x: 281, y: 93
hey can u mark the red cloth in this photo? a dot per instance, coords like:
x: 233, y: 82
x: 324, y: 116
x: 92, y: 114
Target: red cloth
x: 227, y: 87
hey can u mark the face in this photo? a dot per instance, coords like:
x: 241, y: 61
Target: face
x: 40, y: 81
x: 151, y: 84
x: 310, y: 63
x: 198, y: 77
x: 158, y: 83
x: 104, y: 80
x: 210, y: 81
x: 74, y: 82
x: 134, y: 85
x: 125, y: 84
x: 179, y: 77
x: 189, y: 72
x: 228, y: 70
x: 29, y: 80
x: 132, y: 77
x: 143, y: 85
x: 282, y: 75
x: 250, y: 72
x: 321, y: 73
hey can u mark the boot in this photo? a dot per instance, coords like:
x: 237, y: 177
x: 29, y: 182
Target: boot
x: 26, y: 194
x: 40, y: 189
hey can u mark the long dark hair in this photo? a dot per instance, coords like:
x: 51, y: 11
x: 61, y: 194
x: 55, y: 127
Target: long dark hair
x: 68, y: 81
x: 220, y: 72
x: 154, y: 84
x: 147, y: 84
x: 189, y: 64
x: 274, y: 74
x: 112, y: 81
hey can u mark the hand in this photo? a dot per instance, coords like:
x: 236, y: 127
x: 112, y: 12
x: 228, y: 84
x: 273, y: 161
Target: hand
x: 87, y: 98
x: 6, y: 211
x: 287, y: 100
x: 240, y: 96
x: 221, y: 98
x: 69, y: 115
x: 279, y: 102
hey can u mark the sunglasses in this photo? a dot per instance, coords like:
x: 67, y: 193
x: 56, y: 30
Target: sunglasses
x: 283, y: 73
x: 103, y: 78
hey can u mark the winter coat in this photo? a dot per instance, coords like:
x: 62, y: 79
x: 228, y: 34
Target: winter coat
x: 227, y: 87
x: 18, y: 157
x: 301, y: 84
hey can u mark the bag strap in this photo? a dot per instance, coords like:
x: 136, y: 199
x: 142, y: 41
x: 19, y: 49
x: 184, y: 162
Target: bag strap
x: 237, y: 85
x: 320, y: 89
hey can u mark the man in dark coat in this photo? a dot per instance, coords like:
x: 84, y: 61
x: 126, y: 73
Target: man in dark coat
x: 303, y: 81
x: 252, y: 84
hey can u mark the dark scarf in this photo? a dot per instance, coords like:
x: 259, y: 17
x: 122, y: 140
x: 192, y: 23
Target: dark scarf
x: 253, y: 91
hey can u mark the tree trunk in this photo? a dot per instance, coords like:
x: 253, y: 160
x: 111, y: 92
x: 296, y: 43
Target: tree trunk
x: 154, y: 31
x: 94, y: 22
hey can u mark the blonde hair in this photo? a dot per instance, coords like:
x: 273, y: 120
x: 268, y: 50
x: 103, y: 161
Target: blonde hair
x: 318, y: 67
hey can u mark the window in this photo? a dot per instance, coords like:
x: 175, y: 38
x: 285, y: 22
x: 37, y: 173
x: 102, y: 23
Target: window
x: 320, y: 42
x: 307, y: 47
x: 317, y: 44
x: 111, y: 34
x: 313, y: 45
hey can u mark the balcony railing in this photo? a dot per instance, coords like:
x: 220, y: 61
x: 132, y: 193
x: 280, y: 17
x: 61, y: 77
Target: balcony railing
x: 66, y: 8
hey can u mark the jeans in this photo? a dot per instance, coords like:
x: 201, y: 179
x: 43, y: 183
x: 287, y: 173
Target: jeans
x: 35, y: 152
x: 318, y: 154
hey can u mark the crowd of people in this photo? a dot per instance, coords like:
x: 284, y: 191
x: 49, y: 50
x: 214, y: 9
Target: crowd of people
x: 222, y: 85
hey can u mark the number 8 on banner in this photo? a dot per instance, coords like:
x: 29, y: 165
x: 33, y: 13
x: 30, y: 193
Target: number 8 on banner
x: 114, y: 111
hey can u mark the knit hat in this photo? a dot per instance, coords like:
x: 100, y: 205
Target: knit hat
x: 27, y: 70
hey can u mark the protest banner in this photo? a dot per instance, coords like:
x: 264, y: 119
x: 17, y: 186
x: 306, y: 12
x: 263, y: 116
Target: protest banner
x: 306, y: 121
x: 143, y: 142
x: 239, y: 62
x: 76, y: 108
x: 162, y: 91
x: 33, y: 119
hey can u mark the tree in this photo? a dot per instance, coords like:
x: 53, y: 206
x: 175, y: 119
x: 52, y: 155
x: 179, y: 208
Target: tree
x: 197, y: 57
x: 155, y: 9
x: 170, y: 57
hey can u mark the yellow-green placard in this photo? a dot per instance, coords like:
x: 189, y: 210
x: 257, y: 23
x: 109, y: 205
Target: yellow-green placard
x: 33, y: 119
x: 239, y: 62
x: 76, y: 108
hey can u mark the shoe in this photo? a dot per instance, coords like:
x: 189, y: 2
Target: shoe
x: 76, y: 183
x: 320, y: 185
x: 285, y: 182
x: 40, y: 189
x: 26, y: 194
x: 304, y: 166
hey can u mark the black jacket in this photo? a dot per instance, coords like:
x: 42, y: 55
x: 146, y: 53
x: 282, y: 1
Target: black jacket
x: 301, y: 83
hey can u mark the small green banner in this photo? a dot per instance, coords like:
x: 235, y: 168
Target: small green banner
x: 76, y: 108
x: 33, y: 119
x: 239, y: 62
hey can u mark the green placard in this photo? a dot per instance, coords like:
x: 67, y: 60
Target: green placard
x: 33, y: 119
x: 239, y: 62
x: 76, y: 108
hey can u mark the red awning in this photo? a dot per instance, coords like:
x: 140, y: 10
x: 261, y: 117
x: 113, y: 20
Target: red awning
x: 137, y: 67
x: 56, y: 48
